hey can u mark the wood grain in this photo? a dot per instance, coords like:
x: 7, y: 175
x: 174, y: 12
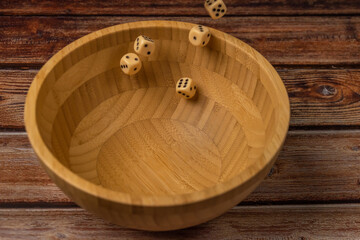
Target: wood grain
x: 14, y: 85
x: 323, y: 97
x: 22, y: 178
x: 31, y: 41
x: 338, y: 221
x: 318, y: 97
x: 176, y: 7
x: 327, y: 173
x: 314, y: 166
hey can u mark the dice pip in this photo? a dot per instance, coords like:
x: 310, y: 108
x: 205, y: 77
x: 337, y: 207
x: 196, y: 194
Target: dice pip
x: 215, y: 8
x: 186, y: 87
x: 130, y: 63
x: 199, y: 36
x: 144, y: 45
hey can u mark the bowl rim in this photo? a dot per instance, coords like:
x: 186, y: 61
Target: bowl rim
x: 54, y: 167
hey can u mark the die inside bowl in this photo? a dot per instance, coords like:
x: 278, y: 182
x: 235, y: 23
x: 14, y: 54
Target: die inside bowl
x: 129, y: 149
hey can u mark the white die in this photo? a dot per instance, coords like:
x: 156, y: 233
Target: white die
x: 144, y: 45
x: 130, y: 63
x: 215, y: 8
x: 186, y: 87
x: 199, y: 36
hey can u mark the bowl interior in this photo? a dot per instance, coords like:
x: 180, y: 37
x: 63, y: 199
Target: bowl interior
x: 134, y: 134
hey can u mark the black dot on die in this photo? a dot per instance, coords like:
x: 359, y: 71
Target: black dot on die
x: 219, y: 5
x: 183, y: 94
x: 194, y: 37
x: 145, y: 45
x: 214, y: 9
x: 127, y: 57
x: 209, y: 35
x: 217, y: 14
x: 137, y: 48
x: 135, y: 69
x: 190, y: 88
x: 179, y: 92
x: 222, y: 10
x: 148, y: 53
x: 136, y: 59
x: 218, y: 10
x: 137, y: 39
x: 187, y: 96
x: 203, y: 43
x: 187, y: 80
x: 194, y: 87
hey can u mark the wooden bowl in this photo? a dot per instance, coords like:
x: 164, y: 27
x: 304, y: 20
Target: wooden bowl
x: 131, y: 150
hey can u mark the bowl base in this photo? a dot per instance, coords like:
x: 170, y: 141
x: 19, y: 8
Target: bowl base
x: 160, y: 157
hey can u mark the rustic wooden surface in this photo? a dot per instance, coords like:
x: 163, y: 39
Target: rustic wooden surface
x: 283, y: 40
x: 176, y: 7
x: 276, y: 222
x: 303, y: 173
x: 315, y: 46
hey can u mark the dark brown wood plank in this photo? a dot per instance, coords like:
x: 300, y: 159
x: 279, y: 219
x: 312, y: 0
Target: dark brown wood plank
x: 176, y: 7
x: 318, y: 97
x: 323, y: 97
x: 339, y: 221
x: 22, y: 179
x: 14, y: 85
x: 315, y: 166
x: 30, y: 41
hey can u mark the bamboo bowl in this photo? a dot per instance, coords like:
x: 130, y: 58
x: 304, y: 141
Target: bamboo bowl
x: 130, y: 150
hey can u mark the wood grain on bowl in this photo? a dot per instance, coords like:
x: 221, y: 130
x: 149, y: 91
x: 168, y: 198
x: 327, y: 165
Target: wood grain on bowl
x: 130, y: 150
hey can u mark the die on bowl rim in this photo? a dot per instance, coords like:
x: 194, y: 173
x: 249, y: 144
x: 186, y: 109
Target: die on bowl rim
x: 56, y: 169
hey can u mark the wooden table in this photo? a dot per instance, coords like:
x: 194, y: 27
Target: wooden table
x: 312, y: 192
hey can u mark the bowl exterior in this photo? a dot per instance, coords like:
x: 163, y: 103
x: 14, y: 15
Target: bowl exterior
x: 160, y: 218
